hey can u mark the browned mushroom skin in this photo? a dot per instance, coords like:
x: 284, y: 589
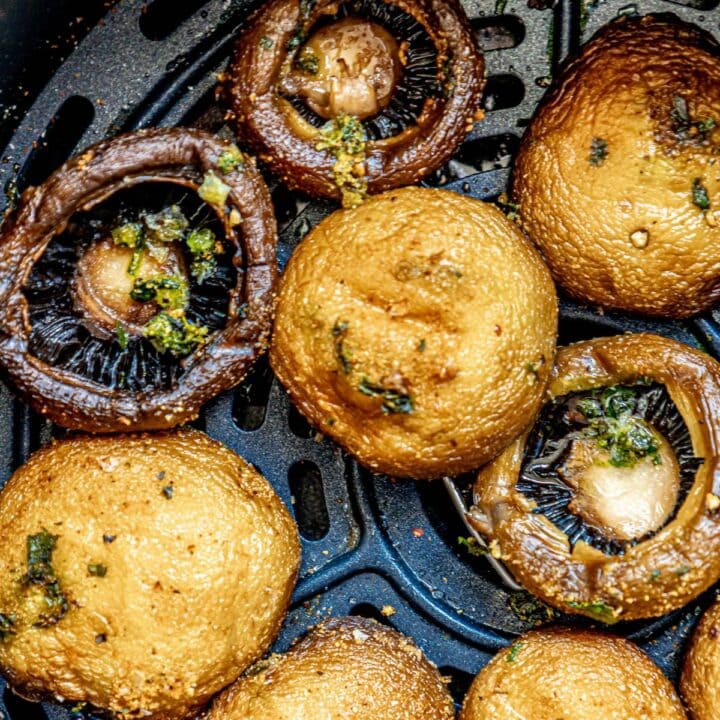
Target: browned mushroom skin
x: 164, y: 155
x: 287, y: 143
x: 658, y: 574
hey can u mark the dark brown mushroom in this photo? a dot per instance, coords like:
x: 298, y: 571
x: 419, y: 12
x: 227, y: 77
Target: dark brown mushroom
x: 344, y: 98
x: 610, y: 506
x: 58, y: 300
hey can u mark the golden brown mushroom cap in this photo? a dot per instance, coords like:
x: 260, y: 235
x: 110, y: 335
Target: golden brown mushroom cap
x: 350, y: 668
x: 612, y: 170
x: 700, y: 680
x: 176, y: 559
x: 416, y: 330
x: 573, y: 675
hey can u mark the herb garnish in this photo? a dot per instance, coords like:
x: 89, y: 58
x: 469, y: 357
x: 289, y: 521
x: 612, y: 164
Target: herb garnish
x: 684, y: 128
x: 529, y: 609
x: 308, y: 61
x: 341, y: 352
x: 700, y: 195
x: 613, y: 427
x: 97, y: 569
x: 40, y: 572
x: 345, y: 138
x: 121, y: 335
x: 7, y: 626
x: 203, y: 247
x: 682, y: 570
x: 598, y: 151
x: 513, y: 652
x: 172, y: 332
x: 265, y: 42
x: 472, y: 546
x: 394, y: 401
x: 168, y: 291
x: 230, y: 159
x: 213, y: 190
x: 597, y: 609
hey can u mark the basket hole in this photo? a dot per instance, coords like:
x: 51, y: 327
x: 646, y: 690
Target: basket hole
x: 310, y: 507
x: 370, y: 612
x: 61, y: 136
x: 17, y: 707
x: 299, y: 426
x: 460, y: 681
x: 503, y: 91
x: 161, y: 17
x: 251, y: 398
x: 498, y: 33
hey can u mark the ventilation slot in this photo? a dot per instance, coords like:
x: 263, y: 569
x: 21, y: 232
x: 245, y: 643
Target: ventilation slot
x: 251, y: 398
x: 19, y: 708
x: 498, y: 33
x: 370, y: 612
x: 299, y: 426
x: 503, y: 91
x: 310, y: 507
x: 58, y: 141
x: 161, y: 17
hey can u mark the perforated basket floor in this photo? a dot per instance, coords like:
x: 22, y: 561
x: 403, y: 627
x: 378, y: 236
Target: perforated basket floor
x: 368, y: 542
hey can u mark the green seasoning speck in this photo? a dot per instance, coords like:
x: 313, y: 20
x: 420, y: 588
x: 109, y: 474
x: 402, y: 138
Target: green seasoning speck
x: 213, y: 190
x: 40, y: 572
x: 513, y: 652
x: 597, y: 609
x: 166, y: 225
x: 421, y: 345
x: 598, y: 151
x: 613, y: 426
x: 472, y: 546
x: 230, y: 159
x: 345, y: 138
x: 682, y: 570
x: 529, y: 609
x: 203, y: 247
x: 308, y: 61
x: 655, y: 575
x: 174, y: 334
x: 121, y: 335
x: 265, y: 42
x: 341, y: 352
x: 97, y: 569
x: 700, y: 195
x: 129, y: 234
x: 685, y: 129
x: 167, y: 491
x: 7, y: 626
x: 394, y: 401
x: 511, y: 209
x: 168, y: 291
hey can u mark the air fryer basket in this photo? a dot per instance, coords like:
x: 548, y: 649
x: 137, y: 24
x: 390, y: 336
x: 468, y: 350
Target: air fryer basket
x: 372, y: 546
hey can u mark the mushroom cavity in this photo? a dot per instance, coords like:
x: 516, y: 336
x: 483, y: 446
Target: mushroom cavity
x: 609, y: 466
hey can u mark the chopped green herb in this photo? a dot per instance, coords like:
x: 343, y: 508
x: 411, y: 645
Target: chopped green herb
x: 265, y: 42
x: 682, y: 570
x: 500, y: 6
x: 176, y: 335
x: 203, y: 247
x: 40, y: 572
x: 613, y: 426
x: 135, y: 261
x: 596, y: 609
x: 472, y: 546
x: 341, y: 352
x: 513, y: 652
x: 529, y: 609
x: 308, y: 61
x: 230, y: 159
x: 129, y: 234
x: 655, y: 575
x: 421, y: 345
x: 121, y: 335
x: 165, y: 226
x: 700, y: 195
x: 167, y: 491
x: 168, y: 291
x: 598, y: 151
x: 97, y: 569
x: 684, y: 128
x: 7, y: 626
x: 213, y: 190
x: 511, y: 209
x: 394, y: 401
x: 345, y: 138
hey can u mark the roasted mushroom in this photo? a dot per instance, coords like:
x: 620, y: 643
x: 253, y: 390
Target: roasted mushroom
x: 344, y: 98
x: 349, y: 668
x: 137, y: 282
x: 616, y: 178
x: 571, y: 675
x: 140, y: 573
x: 700, y: 680
x: 416, y: 330
x: 610, y: 506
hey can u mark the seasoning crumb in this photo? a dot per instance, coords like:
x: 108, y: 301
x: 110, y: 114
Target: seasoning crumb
x: 418, y: 532
x: 168, y: 491
x: 640, y: 238
x: 388, y: 611
x: 97, y: 569
x: 712, y: 502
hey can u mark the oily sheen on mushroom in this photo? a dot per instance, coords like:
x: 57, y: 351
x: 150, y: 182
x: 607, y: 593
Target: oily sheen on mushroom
x: 416, y: 330
x: 610, y: 506
x: 616, y: 176
x: 136, y: 282
x: 345, y: 98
